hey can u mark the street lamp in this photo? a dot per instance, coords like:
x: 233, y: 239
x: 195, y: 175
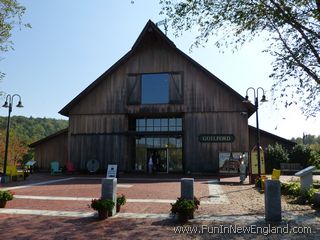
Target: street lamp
x: 256, y: 105
x: 8, y: 104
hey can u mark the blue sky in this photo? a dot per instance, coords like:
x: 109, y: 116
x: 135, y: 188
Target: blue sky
x: 71, y: 43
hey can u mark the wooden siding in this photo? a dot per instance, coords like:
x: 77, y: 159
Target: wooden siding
x: 108, y: 123
x: 200, y: 92
x: 133, y: 89
x: 106, y: 149
x: 100, y: 137
x: 99, y: 119
x: 176, y: 88
x: 54, y: 149
x: 204, y: 157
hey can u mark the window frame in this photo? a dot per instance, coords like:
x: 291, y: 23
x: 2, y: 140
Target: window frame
x: 179, y: 99
x: 168, y: 88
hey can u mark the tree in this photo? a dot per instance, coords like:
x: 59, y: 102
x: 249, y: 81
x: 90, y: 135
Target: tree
x: 16, y: 149
x: 291, y: 27
x: 307, y: 150
x: 32, y: 129
x: 275, y: 155
x: 300, y: 154
x: 24, y: 131
x: 11, y: 13
x: 315, y: 155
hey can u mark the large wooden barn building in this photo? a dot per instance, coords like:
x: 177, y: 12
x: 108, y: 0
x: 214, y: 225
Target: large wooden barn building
x: 154, y: 103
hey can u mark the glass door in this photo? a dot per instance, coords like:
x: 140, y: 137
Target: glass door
x: 163, y: 160
x: 159, y: 158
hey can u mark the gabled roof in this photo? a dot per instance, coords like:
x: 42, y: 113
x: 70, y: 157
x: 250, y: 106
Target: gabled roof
x: 56, y: 134
x: 276, y: 137
x: 150, y: 27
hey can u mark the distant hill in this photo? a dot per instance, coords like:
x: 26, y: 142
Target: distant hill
x: 29, y: 129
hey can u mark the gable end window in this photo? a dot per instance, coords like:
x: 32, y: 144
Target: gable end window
x: 155, y: 88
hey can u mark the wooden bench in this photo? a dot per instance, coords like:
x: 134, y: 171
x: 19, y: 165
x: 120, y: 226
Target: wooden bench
x: 290, y: 167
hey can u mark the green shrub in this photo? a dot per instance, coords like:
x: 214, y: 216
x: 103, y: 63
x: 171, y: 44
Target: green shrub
x: 293, y: 189
x: 183, y: 206
x: 306, y: 196
x: 309, y: 194
x: 275, y: 155
x: 102, y: 204
x: 315, y: 201
x: 300, y: 154
x: 6, y: 195
x: 121, y: 200
x: 315, y: 159
x: 258, y: 183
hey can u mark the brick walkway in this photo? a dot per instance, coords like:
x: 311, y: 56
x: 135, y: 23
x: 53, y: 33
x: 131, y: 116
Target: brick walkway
x: 56, y: 207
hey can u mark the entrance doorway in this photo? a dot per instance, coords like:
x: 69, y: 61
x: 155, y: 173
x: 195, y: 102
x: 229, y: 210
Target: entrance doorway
x: 167, y: 148
x: 159, y: 158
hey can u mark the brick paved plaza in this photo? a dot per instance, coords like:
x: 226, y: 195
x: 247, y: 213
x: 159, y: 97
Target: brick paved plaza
x: 56, y: 207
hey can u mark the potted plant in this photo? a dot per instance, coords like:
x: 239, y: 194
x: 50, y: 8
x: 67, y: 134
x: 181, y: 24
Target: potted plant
x: 258, y: 182
x: 121, y: 200
x: 184, y: 209
x: 4, y: 197
x: 196, y: 203
x: 103, y: 206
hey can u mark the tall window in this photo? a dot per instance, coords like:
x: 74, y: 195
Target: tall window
x: 155, y: 88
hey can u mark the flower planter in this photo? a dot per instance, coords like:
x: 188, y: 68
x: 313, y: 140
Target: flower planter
x: 183, y: 217
x: 184, y: 209
x: 121, y: 200
x: 118, y: 208
x: 109, y: 213
x: 103, y: 206
x: 3, y: 203
x: 103, y: 214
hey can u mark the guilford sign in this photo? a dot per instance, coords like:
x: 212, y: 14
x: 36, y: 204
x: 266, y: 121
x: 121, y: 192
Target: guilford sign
x: 217, y: 138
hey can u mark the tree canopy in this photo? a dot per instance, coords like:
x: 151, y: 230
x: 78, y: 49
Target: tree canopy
x: 290, y: 27
x: 11, y: 12
x: 32, y: 129
x: 24, y: 131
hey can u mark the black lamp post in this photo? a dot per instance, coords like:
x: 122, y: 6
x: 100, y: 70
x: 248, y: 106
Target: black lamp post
x: 256, y: 105
x: 8, y: 104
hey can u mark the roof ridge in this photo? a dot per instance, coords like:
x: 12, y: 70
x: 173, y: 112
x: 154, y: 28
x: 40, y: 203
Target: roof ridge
x: 150, y: 26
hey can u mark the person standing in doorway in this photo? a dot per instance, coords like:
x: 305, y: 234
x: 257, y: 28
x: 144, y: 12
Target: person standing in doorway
x: 242, y: 169
x: 150, y: 165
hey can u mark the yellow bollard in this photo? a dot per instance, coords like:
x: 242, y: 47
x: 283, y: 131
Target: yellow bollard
x: 275, y: 174
x: 263, y: 178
